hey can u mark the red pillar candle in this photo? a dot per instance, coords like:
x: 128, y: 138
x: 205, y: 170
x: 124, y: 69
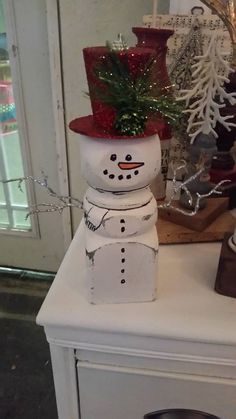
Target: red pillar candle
x: 157, y: 39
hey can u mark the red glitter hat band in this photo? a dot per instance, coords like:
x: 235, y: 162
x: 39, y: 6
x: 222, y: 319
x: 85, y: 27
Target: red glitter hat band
x: 87, y: 126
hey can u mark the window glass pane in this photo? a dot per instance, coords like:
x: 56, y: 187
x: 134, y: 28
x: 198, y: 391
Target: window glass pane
x: 11, y: 161
x: 19, y: 220
x: 4, y: 220
x: 2, y: 196
x: 14, y: 168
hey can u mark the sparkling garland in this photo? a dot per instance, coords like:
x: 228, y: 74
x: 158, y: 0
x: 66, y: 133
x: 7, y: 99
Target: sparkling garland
x: 70, y: 202
x: 184, y: 187
x: 66, y: 201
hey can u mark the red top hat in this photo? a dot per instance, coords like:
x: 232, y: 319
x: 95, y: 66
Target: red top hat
x: 100, y: 124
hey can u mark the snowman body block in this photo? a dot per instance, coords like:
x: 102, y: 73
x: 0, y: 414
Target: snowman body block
x: 120, y: 214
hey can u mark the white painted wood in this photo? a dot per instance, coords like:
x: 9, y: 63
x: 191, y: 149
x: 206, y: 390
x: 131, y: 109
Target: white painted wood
x: 154, y: 360
x: 178, y: 351
x: 120, y: 216
x: 53, y: 23
x: 28, y: 47
x: 64, y: 373
x: 115, y: 392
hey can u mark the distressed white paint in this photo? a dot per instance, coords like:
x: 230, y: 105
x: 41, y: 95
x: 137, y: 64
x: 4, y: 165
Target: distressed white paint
x: 136, y: 358
x: 65, y: 381
x: 120, y: 217
x: 158, y: 186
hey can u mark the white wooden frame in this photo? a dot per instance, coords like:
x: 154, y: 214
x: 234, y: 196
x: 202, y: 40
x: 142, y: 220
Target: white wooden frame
x: 58, y: 110
x: 53, y: 22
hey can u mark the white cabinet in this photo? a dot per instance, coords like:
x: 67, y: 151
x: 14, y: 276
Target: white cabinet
x: 122, y: 361
x: 116, y: 392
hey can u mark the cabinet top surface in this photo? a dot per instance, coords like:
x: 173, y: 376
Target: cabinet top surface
x: 187, y: 307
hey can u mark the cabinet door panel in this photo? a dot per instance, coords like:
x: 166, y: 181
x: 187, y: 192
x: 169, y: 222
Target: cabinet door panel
x: 115, y: 393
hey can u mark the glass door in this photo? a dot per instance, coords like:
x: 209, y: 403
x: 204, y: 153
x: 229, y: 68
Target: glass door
x: 28, y: 143
x: 14, y: 204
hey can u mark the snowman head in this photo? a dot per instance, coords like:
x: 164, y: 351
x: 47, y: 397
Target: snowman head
x: 120, y: 165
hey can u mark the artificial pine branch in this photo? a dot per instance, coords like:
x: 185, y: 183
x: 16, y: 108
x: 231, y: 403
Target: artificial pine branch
x: 135, y: 98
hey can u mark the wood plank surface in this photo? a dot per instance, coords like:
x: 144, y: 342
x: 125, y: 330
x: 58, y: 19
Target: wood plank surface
x: 170, y: 233
x: 200, y: 221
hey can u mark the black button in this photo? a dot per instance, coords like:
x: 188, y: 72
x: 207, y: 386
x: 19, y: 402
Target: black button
x: 122, y: 221
x: 105, y: 172
x: 123, y: 250
x: 122, y: 229
x: 122, y: 281
x: 122, y: 260
x: 122, y: 271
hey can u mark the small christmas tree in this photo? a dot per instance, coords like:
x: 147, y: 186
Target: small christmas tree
x: 207, y: 95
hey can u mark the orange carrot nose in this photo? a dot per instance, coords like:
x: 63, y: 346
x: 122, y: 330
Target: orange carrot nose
x: 129, y: 166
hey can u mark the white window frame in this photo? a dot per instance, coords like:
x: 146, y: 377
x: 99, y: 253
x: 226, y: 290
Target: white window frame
x: 58, y: 110
x: 21, y: 117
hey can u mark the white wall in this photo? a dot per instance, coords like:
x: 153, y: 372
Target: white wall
x: 184, y: 6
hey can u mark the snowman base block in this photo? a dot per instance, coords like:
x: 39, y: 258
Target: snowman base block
x: 122, y: 271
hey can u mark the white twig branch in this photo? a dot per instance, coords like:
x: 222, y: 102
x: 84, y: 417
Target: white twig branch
x: 64, y: 201
x: 184, y: 187
x: 70, y: 202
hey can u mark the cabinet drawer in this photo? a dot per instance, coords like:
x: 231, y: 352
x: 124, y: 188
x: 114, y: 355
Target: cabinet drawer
x: 109, y: 392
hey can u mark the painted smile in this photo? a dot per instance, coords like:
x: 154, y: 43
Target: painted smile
x: 129, y: 166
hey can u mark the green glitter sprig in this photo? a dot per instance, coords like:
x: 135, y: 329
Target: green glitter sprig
x: 135, y: 99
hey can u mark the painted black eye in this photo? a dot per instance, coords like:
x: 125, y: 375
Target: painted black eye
x: 113, y: 157
x: 128, y: 157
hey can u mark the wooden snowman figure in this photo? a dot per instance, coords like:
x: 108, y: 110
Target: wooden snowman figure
x: 120, y: 214
x: 120, y: 211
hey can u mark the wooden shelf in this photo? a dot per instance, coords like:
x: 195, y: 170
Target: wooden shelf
x: 170, y: 233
